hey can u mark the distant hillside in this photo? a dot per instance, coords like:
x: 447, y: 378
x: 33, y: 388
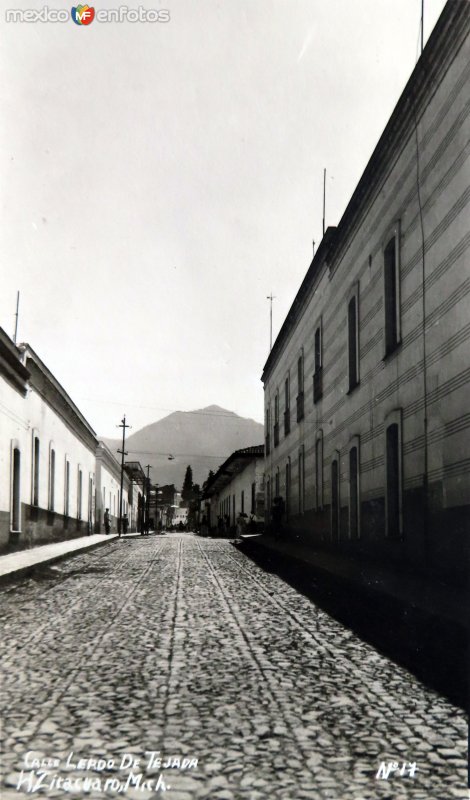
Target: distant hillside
x: 202, y: 438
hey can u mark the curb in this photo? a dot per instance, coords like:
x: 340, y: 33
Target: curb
x: 21, y: 572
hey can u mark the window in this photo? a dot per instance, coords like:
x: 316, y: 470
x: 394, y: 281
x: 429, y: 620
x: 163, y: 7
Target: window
x: 15, y: 490
x: 79, y: 493
x: 353, y: 341
x: 91, y: 495
x: 276, y: 419
x: 234, y: 513
x: 392, y: 293
x: 354, y: 494
x: 393, y: 494
x: 286, y: 406
x: 319, y: 471
x: 35, y: 498
x: 335, y: 496
x: 243, y: 501
x: 317, y: 375
x: 67, y: 488
x: 253, y: 498
x: 301, y: 480
x: 267, y: 433
x: 51, y: 479
x: 300, y: 387
x: 268, y: 498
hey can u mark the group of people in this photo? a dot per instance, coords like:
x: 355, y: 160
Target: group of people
x: 107, y: 523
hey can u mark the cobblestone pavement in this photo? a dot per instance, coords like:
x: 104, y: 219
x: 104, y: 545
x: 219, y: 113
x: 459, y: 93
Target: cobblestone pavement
x: 185, y: 646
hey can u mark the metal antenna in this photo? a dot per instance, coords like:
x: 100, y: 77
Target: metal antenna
x: 16, y: 316
x: 422, y: 25
x: 271, y: 297
x: 123, y: 452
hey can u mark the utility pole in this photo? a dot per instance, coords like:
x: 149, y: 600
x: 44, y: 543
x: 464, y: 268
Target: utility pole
x: 147, y: 499
x: 16, y: 315
x: 324, y: 199
x: 271, y: 297
x: 123, y: 453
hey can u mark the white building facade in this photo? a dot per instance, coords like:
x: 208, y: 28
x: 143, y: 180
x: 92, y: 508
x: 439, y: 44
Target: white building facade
x: 47, y: 455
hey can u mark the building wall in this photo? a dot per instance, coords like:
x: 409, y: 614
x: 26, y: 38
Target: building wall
x: 24, y: 419
x: 428, y: 371
x: 108, y: 488
x: 229, y: 500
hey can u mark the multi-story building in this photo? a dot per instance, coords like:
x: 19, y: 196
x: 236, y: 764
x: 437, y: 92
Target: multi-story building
x: 367, y: 384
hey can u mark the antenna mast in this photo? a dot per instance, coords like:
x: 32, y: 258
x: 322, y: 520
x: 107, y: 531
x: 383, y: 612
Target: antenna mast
x: 16, y: 316
x: 270, y: 297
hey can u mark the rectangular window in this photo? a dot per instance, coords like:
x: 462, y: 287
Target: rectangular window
x: 79, y: 494
x: 318, y: 367
x: 301, y: 480
x: 300, y: 388
x: 286, y: 406
x: 392, y: 294
x: 276, y: 419
x: 51, y: 479
x: 36, y: 472
x: 300, y: 375
x: 253, y: 498
x: 353, y: 493
x: 243, y: 501
x: 393, y: 481
x: 335, y: 499
x: 67, y: 489
x: 267, y: 447
x: 15, y: 490
x: 353, y: 343
x: 319, y: 473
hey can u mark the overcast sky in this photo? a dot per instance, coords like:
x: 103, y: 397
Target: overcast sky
x: 158, y: 181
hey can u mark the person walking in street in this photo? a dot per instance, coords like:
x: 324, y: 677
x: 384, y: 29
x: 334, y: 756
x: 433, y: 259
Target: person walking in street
x: 107, y: 521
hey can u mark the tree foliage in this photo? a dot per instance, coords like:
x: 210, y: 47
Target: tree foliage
x: 187, y: 490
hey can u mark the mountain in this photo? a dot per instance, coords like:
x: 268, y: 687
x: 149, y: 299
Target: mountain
x: 203, y: 438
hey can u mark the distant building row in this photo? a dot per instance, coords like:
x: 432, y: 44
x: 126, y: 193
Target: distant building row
x: 56, y: 478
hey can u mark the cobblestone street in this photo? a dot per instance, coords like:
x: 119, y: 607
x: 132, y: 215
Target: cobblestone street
x: 184, y: 646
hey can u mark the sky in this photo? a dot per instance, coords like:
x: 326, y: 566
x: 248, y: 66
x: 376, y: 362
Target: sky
x: 159, y: 180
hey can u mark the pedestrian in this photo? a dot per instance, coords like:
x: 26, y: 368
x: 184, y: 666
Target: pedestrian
x: 107, y: 521
x: 125, y: 523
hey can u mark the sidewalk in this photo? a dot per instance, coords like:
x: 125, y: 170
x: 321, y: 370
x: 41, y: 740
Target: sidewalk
x: 415, y: 591
x: 14, y: 564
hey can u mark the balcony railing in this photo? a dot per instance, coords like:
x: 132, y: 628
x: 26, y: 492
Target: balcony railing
x: 286, y: 421
x: 300, y: 406
x: 267, y: 446
x: 317, y: 385
x: 276, y: 434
